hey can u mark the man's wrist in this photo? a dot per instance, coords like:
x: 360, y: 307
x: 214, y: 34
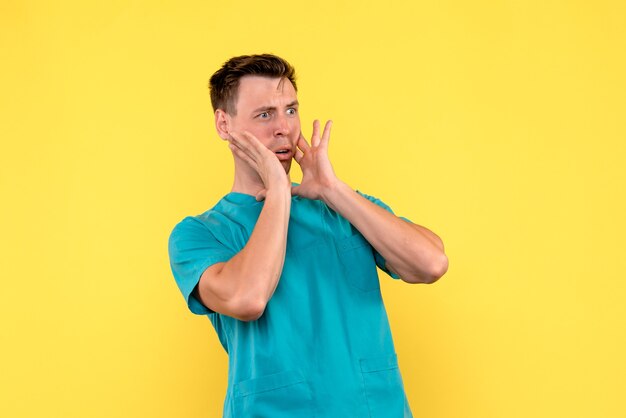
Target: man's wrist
x: 334, y: 194
x: 281, y: 191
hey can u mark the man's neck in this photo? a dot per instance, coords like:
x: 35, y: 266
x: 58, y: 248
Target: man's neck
x: 246, y: 181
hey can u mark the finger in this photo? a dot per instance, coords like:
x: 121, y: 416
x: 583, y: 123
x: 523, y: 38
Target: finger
x: 315, y: 136
x: 242, y: 155
x: 235, y: 143
x: 234, y: 137
x: 238, y: 140
x: 326, y: 134
x: 253, y: 141
x: 302, y: 144
x: 243, y: 143
x: 298, y: 156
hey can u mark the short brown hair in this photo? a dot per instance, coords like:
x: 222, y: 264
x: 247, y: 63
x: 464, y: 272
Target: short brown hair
x: 224, y: 84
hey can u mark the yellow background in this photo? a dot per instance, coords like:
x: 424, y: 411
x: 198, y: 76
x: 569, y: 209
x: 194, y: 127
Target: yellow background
x: 497, y: 124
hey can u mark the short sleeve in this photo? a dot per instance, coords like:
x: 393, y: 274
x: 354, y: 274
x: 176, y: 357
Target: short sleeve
x: 192, y: 249
x: 380, y: 261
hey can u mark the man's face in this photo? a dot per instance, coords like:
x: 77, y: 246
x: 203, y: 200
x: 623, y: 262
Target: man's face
x: 268, y: 109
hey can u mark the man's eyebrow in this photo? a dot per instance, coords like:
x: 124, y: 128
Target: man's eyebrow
x: 266, y: 108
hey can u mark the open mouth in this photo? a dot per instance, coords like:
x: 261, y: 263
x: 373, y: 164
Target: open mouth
x: 283, y: 154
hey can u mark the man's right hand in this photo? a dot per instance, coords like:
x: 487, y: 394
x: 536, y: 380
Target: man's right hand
x: 248, y: 148
x: 242, y: 286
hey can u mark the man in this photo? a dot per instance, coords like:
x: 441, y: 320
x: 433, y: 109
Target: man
x: 287, y: 273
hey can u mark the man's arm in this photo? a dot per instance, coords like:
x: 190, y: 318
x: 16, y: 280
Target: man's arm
x: 411, y: 251
x: 242, y: 286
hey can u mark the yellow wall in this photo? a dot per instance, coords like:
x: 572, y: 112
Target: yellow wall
x: 499, y: 125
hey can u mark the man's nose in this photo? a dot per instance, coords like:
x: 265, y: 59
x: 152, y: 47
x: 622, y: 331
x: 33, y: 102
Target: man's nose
x: 282, y: 125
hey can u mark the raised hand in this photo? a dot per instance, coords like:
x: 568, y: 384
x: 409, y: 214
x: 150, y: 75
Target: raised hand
x: 248, y: 148
x: 318, y: 176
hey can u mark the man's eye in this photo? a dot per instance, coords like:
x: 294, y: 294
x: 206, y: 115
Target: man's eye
x: 291, y: 111
x: 264, y: 115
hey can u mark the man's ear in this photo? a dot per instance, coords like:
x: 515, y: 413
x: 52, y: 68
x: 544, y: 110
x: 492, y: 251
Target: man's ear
x: 222, y: 124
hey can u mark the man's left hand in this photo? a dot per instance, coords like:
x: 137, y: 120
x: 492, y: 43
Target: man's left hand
x: 318, y: 177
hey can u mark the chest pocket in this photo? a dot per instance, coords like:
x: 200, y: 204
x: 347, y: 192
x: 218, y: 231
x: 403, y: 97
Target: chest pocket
x: 281, y: 395
x: 357, y: 262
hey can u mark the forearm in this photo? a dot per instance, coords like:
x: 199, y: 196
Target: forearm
x: 415, y: 253
x: 252, y: 275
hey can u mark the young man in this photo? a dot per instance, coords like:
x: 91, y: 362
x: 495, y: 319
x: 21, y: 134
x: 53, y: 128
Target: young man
x: 287, y: 273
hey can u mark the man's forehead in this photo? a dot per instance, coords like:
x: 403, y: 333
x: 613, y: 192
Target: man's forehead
x: 254, y: 88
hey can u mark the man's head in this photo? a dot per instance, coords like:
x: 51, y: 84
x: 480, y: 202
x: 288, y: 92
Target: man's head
x: 224, y: 84
x: 257, y: 93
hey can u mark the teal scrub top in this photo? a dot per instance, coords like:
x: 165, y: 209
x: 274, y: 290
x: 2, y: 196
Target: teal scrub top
x: 323, y: 346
